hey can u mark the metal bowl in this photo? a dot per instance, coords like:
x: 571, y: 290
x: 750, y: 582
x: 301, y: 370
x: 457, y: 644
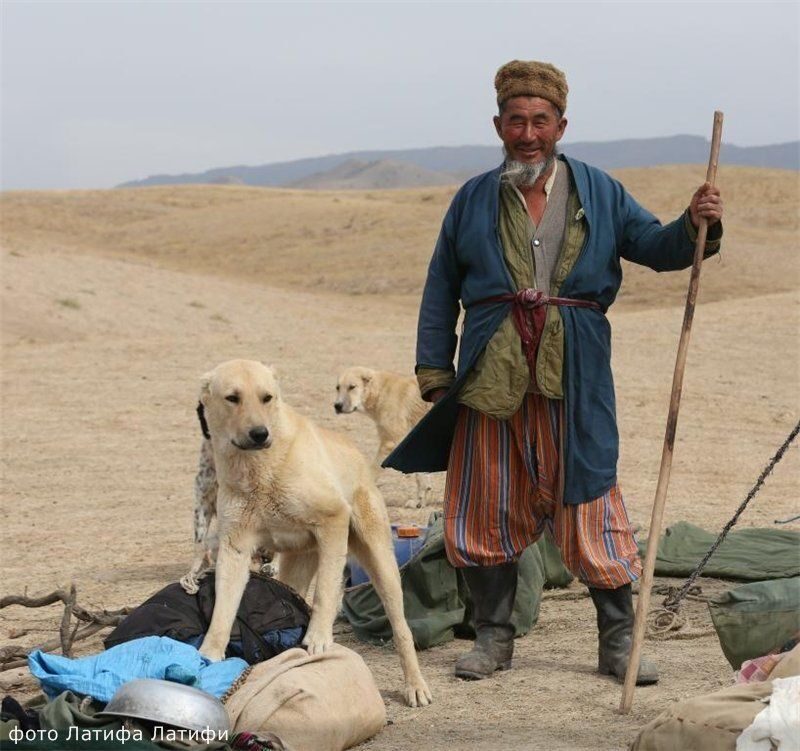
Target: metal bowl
x: 169, y: 703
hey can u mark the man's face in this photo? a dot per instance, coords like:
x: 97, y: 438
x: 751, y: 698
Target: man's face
x: 530, y: 128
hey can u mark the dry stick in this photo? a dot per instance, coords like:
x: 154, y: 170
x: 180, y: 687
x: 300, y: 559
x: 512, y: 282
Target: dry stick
x: 13, y: 656
x: 48, y: 646
x: 643, y: 602
x: 64, y: 631
x: 34, y: 602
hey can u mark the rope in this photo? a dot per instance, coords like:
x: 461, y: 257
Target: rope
x: 665, y: 619
x: 237, y: 684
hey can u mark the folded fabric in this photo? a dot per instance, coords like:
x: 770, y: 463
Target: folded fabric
x: 778, y: 724
x: 759, y: 668
x: 99, y: 676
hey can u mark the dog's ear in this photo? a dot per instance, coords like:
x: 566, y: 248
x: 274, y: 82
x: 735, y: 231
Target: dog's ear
x: 205, y: 386
x: 273, y: 371
x: 201, y: 416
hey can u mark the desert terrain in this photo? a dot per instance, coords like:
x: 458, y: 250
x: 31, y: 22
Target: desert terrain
x: 115, y: 302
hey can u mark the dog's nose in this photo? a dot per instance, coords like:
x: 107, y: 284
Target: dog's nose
x: 259, y: 435
x: 338, y: 407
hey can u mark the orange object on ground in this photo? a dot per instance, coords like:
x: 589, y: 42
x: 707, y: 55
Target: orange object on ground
x: 408, y: 531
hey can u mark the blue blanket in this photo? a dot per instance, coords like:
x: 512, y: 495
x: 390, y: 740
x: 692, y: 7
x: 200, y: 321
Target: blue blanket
x: 101, y: 675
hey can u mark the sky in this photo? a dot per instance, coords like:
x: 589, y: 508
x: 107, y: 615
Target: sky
x: 98, y: 93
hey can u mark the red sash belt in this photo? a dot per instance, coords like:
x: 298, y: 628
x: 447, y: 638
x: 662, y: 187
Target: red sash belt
x: 529, y: 311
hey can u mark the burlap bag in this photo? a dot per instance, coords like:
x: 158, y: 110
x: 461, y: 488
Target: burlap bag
x: 712, y: 722
x: 326, y: 702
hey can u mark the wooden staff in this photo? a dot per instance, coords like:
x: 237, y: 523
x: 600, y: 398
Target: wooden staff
x: 643, y: 602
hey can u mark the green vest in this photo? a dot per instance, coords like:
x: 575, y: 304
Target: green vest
x: 499, y: 381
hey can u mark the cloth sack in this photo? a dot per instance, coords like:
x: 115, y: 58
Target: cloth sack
x: 713, y: 722
x: 751, y: 619
x: 272, y: 617
x: 323, y: 702
x: 436, y: 600
x: 431, y: 602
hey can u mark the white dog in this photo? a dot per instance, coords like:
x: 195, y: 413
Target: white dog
x: 306, y: 493
x: 394, y: 404
x: 206, y: 536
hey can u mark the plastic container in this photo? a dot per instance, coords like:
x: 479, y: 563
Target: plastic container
x: 408, y: 541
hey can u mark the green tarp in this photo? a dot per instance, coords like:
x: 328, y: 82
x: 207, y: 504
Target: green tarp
x: 753, y: 619
x: 436, y: 600
x: 753, y: 554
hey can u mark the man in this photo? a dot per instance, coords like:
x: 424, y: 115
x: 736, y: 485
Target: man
x: 526, y: 426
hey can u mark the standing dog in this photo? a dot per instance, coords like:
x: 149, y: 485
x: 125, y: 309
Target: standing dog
x: 305, y: 493
x: 394, y: 404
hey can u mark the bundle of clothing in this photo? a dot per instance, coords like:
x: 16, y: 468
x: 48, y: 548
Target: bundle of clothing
x: 276, y: 695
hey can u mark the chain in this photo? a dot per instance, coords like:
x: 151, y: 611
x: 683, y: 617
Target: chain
x: 672, y: 602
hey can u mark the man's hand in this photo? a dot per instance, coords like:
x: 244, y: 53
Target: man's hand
x: 707, y: 204
x: 436, y: 394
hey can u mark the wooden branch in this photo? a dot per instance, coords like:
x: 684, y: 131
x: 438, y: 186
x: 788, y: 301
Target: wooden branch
x: 11, y: 653
x: 9, y: 660
x: 64, y: 631
x: 14, y: 656
x: 34, y: 602
x: 106, y: 617
x: 646, y: 582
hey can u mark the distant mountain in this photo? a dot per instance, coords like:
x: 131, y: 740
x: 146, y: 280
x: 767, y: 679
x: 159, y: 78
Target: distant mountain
x: 384, y: 173
x: 459, y: 162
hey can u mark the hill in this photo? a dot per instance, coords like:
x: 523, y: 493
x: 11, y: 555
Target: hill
x: 376, y: 241
x: 461, y: 162
x: 384, y: 173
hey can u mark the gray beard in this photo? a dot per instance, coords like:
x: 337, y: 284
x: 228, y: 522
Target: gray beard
x: 522, y: 174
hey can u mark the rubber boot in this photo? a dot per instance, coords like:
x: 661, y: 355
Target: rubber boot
x: 615, y: 628
x: 492, y: 589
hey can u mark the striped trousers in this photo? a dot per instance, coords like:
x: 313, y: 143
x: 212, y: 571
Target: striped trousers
x: 503, y: 489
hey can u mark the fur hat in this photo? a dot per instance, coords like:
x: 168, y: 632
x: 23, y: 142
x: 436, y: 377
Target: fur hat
x: 531, y: 78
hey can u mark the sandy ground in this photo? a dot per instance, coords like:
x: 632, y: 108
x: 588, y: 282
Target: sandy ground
x: 103, y: 342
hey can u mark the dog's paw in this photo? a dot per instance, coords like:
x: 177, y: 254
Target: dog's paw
x: 417, y: 693
x: 215, y: 654
x: 190, y: 584
x: 269, y: 569
x: 317, y: 642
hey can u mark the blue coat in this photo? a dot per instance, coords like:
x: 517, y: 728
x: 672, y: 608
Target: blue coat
x: 468, y: 265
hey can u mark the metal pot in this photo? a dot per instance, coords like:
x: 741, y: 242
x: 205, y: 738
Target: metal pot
x: 169, y: 703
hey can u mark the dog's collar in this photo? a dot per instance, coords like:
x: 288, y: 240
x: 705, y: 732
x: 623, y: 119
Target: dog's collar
x: 201, y: 415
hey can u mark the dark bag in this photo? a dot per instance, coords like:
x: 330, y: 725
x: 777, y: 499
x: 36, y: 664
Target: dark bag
x: 271, y: 618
